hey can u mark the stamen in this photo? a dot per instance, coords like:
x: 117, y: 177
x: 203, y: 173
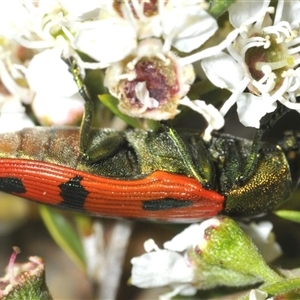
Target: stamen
x: 150, y: 245
x: 266, y: 85
x: 282, y: 28
x: 294, y: 50
x: 234, y: 96
x: 249, y: 45
x: 128, y: 76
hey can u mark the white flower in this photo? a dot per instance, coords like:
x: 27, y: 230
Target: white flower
x: 264, y: 57
x: 56, y: 100
x: 170, y: 266
x: 151, y: 84
x: 32, y: 24
x: 163, y: 267
x: 184, y: 25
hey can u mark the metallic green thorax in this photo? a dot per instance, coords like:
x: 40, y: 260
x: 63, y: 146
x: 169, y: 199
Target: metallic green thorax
x: 268, y: 186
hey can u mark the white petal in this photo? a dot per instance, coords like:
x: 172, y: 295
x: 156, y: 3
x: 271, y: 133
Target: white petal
x: 223, y: 71
x: 191, y: 236
x: 109, y: 41
x: 251, y: 109
x: 184, y: 239
x: 242, y: 10
x: 291, y: 12
x: 47, y: 73
x: 189, y: 27
x: 160, y: 268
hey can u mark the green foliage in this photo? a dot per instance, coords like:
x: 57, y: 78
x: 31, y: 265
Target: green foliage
x: 64, y: 234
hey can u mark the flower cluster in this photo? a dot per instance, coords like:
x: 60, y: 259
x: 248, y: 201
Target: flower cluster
x: 264, y: 58
x: 148, y: 50
x: 139, y: 42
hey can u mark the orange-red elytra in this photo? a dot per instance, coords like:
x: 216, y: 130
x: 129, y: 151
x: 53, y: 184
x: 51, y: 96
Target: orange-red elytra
x: 159, y: 196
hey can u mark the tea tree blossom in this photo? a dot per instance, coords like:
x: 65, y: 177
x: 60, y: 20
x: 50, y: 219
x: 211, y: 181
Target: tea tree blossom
x: 263, y: 58
x: 150, y: 85
x: 143, y: 72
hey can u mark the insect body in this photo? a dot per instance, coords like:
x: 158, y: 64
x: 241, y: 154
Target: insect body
x: 163, y: 175
x: 142, y: 174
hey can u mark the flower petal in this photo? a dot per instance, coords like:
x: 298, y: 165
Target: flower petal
x: 242, y: 10
x: 160, y: 268
x: 109, y: 40
x: 47, y: 73
x: 223, y: 71
x: 251, y: 109
x: 188, y: 26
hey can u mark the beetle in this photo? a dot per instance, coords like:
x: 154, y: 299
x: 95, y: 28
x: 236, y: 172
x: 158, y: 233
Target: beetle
x: 163, y: 175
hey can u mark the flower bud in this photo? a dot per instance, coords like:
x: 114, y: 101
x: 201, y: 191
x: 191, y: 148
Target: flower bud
x: 24, y: 281
x: 225, y: 245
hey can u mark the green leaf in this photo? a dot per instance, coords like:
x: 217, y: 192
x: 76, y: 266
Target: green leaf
x: 112, y: 104
x: 291, y: 215
x: 64, y: 234
x: 218, y: 7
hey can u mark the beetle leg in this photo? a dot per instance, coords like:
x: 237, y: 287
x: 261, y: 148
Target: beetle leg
x: 88, y: 106
x: 188, y: 162
x: 254, y: 154
x: 90, y: 151
x: 232, y: 166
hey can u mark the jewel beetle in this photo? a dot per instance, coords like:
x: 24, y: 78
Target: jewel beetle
x: 164, y: 175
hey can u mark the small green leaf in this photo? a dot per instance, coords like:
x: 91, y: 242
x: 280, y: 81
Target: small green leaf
x: 218, y: 7
x: 112, y: 104
x: 64, y: 234
x: 291, y: 215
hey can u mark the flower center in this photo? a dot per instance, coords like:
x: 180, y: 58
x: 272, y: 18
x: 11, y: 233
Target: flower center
x: 267, y: 58
x: 160, y: 80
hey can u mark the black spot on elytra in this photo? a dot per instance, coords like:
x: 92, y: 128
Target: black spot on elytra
x: 164, y: 204
x: 73, y: 193
x: 12, y: 185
